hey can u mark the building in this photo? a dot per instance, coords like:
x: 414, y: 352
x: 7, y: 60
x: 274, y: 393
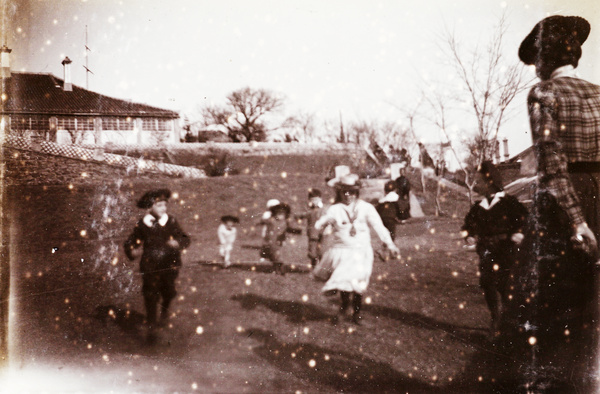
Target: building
x: 42, y: 106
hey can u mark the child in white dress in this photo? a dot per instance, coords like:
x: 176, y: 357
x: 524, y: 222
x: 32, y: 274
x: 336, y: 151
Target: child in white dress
x: 227, y: 233
x: 348, y: 264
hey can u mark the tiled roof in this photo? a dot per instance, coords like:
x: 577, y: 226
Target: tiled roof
x: 29, y: 93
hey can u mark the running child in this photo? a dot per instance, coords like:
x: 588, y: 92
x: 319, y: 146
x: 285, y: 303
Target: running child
x: 159, y: 239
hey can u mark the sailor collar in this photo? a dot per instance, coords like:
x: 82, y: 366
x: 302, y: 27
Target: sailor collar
x: 150, y: 219
x: 488, y: 205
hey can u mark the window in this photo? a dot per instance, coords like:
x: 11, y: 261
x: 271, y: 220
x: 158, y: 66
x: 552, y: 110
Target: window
x: 20, y: 123
x: 85, y: 123
x: 110, y: 124
x: 164, y: 124
x: 40, y: 123
x: 66, y: 123
x: 149, y: 124
x: 126, y: 123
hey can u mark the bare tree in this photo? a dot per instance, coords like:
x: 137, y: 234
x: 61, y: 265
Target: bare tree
x: 490, y: 84
x: 244, y: 114
x: 301, y: 126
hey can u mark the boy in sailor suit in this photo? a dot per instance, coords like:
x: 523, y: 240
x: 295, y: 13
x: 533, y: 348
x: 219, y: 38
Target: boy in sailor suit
x: 159, y: 239
x: 495, y: 224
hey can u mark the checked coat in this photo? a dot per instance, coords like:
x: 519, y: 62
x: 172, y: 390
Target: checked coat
x: 564, y: 113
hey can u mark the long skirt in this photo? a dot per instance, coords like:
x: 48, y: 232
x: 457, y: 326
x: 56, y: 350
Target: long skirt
x: 345, y: 268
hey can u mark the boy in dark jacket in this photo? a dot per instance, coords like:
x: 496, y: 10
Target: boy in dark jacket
x: 495, y: 224
x: 388, y: 208
x: 315, y: 237
x: 161, y: 240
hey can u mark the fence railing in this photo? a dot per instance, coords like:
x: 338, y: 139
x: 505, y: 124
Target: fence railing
x: 96, y: 154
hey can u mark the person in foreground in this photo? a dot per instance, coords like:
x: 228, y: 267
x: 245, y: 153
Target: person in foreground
x: 347, y: 265
x: 556, y: 293
x: 159, y: 239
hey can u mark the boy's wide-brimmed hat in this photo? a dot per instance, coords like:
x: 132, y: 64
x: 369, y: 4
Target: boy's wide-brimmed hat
x: 152, y: 196
x: 230, y: 218
x: 552, y: 31
x: 491, y: 174
x: 314, y: 193
x: 281, y: 207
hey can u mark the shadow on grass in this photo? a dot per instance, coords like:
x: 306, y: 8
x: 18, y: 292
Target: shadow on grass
x: 471, y: 335
x: 253, y: 247
x: 294, y: 311
x: 341, y: 371
x: 299, y: 312
x: 128, y: 320
x: 264, y: 267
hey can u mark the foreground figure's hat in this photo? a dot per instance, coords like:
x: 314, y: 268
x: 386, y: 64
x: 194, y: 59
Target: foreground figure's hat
x: 552, y: 31
x: 153, y: 196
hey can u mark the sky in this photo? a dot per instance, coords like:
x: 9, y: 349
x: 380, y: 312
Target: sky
x: 363, y: 60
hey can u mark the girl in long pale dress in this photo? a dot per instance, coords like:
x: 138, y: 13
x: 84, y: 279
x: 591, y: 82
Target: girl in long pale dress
x: 348, y: 263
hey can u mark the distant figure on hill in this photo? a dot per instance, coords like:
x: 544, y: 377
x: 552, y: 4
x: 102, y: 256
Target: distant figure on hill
x: 403, y: 189
x: 424, y: 158
x: 227, y: 233
x: 159, y: 239
x: 315, y: 237
x: 388, y: 208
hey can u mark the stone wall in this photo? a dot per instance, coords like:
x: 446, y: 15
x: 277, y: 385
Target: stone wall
x: 33, y: 168
x: 249, y: 149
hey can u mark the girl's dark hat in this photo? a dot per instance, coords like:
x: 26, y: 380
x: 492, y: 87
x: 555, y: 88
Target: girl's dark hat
x: 230, y: 218
x: 281, y: 207
x: 552, y: 31
x: 152, y: 196
x: 314, y: 193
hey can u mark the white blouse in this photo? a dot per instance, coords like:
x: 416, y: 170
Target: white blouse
x: 359, y: 215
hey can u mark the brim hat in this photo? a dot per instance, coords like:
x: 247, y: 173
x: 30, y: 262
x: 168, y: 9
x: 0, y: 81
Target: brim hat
x: 339, y: 172
x: 552, y: 31
x: 152, y: 196
x: 347, y: 182
x: 272, y: 202
x: 281, y: 207
x: 314, y: 193
x: 230, y: 218
x: 491, y: 174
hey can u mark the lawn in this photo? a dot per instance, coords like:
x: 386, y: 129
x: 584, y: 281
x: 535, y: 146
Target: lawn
x: 76, y: 308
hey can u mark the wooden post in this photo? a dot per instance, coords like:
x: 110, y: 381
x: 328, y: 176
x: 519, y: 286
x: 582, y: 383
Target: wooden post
x: 98, y: 131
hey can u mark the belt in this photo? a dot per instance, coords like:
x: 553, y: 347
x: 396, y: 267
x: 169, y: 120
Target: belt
x: 584, y: 166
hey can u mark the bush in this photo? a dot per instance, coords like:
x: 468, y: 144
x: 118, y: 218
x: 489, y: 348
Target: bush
x: 219, y: 163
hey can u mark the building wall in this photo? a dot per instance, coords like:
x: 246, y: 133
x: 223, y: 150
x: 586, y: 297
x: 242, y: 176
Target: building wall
x: 92, y: 130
